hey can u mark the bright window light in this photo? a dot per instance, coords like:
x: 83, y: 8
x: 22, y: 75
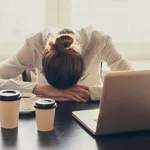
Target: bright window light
x: 18, y: 18
x: 124, y: 20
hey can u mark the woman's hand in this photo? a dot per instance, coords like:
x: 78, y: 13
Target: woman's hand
x: 77, y: 93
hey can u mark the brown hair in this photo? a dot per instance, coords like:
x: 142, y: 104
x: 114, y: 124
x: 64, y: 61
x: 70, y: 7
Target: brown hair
x: 63, y: 66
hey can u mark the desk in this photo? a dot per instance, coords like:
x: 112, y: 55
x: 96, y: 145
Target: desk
x: 68, y: 134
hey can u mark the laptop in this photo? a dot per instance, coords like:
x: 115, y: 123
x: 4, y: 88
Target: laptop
x: 124, y: 104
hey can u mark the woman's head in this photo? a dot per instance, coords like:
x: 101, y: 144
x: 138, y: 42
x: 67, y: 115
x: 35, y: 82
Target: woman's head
x: 63, y: 65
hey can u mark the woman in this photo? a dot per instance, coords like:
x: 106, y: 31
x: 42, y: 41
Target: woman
x: 62, y: 59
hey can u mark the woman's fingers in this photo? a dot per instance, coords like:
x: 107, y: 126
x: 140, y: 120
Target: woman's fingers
x: 49, y: 91
x: 83, y: 87
x: 62, y: 99
x: 75, y: 95
x: 64, y: 94
x: 80, y: 90
x: 68, y: 96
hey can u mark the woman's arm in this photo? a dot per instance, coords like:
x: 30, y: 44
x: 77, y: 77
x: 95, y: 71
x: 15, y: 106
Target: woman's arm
x: 14, y: 66
x: 17, y: 85
x: 114, y: 60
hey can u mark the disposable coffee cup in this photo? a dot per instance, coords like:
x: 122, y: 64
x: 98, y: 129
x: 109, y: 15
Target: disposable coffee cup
x: 45, y: 114
x: 9, y: 108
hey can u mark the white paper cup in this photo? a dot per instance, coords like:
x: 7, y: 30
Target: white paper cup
x: 45, y: 114
x: 27, y: 101
x: 9, y: 108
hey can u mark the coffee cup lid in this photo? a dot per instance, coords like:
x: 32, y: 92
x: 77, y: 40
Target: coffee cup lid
x: 9, y: 95
x: 45, y: 104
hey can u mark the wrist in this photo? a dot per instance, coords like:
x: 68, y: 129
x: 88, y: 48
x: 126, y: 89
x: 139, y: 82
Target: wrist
x: 38, y: 89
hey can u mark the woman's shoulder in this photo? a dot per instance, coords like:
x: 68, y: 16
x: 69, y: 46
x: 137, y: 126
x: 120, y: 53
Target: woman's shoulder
x: 38, y: 40
x: 89, y: 30
x: 41, y: 36
x: 91, y: 35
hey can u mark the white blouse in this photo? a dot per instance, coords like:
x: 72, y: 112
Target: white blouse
x: 96, y: 47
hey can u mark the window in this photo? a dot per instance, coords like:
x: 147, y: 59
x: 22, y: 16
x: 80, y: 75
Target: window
x: 126, y: 21
x: 19, y: 18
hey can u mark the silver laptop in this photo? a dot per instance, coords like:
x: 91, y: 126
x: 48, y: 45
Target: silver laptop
x: 124, y: 104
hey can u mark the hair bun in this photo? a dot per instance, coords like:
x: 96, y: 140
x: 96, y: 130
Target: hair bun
x: 62, y: 42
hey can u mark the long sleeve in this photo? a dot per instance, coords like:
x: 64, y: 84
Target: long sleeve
x: 14, y: 66
x: 16, y: 85
x: 115, y: 62
x: 113, y: 58
x: 95, y: 92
